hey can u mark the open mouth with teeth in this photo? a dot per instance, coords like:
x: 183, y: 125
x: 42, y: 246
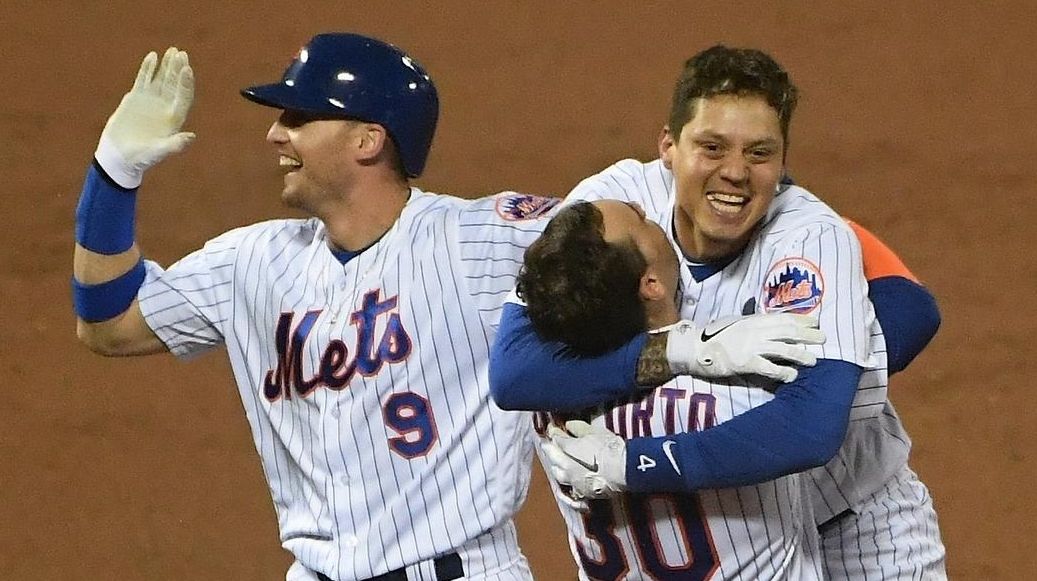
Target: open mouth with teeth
x: 728, y: 204
x: 289, y: 164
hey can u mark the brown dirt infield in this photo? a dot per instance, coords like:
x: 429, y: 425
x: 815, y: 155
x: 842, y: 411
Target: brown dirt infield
x: 917, y: 120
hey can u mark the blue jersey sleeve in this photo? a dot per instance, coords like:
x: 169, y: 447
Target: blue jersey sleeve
x: 801, y: 428
x: 528, y: 373
x: 908, y: 315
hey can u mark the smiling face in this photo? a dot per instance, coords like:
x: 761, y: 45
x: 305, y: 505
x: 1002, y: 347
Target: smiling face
x: 726, y: 161
x: 317, y: 155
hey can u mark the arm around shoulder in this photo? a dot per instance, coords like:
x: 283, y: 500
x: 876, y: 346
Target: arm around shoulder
x: 801, y: 428
x: 529, y: 373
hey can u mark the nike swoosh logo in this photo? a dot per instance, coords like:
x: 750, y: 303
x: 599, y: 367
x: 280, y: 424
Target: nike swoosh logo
x: 667, y: 449
x: 707, y: 336
x: 592, y: 467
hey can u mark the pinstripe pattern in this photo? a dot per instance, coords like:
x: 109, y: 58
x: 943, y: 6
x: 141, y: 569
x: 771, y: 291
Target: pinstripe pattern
x: 348, y: 503
x: 893, y: 534
x: 797, y: 225
x: 764, y: 531
x: 759, y: 532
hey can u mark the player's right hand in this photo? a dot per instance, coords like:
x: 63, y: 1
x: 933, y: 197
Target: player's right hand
x: 145, y: 128
x: 770, y: 345
x: 588, y: 459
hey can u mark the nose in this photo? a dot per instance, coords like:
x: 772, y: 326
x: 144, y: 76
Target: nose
x: 277, y: 134
x: 734, y: 169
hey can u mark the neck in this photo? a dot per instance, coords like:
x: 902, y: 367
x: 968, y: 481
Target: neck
x: 362, y: 217
x: 661, y: 313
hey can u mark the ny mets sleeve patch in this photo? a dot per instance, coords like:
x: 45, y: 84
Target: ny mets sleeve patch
x: 793, y: 285
x: 519, y: 207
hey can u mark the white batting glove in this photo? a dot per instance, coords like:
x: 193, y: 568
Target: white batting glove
x: 592, y: 460
x: 145, y: 128
x: 770, y: 345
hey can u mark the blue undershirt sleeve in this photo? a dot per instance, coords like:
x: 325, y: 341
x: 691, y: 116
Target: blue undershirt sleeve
x: 528, y: 373
x: 801, y: 428
x: 909, y: 317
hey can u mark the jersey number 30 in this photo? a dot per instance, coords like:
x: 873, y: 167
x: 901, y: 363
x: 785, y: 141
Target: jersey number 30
x: 670, y: 536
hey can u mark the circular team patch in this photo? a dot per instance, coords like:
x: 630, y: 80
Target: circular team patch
x: 793, y: 285
x: 520, y: 207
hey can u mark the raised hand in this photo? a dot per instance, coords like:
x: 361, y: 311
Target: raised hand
x: 145, y: 128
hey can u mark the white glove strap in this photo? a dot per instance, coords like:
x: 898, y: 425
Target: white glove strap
x: 116, y: 166
x: 682, y: 347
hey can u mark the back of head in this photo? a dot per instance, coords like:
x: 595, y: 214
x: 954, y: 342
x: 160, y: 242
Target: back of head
x: 578, y: 288
x: 721, y: 70
x: 350, y: 76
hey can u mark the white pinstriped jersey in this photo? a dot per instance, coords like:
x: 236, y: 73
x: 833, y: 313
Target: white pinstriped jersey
x: 803, y: 252
x: 365, y: 383
x: 751, y: 532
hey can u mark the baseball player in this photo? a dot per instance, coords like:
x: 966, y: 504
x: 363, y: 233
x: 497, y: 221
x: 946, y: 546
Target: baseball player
x: 746, y: 245
x: 359, y: 337
x: 587, y: 252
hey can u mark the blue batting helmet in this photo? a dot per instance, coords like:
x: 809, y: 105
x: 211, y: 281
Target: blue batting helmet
x: 357, y: 77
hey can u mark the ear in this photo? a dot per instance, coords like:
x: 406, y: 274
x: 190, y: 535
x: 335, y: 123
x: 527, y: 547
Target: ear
x: 666, y: 144
x: 651, y: 288
x: 372, y: 141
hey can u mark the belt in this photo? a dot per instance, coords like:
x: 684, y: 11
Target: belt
x: 448, y: 568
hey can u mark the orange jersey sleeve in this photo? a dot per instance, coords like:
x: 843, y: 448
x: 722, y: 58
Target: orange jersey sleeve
x: 879, y: 259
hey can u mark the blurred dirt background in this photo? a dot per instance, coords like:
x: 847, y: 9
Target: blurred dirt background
x: 917, y: 120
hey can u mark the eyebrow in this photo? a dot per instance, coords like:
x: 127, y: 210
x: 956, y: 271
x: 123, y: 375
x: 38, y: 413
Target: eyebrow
x: 710, y: 135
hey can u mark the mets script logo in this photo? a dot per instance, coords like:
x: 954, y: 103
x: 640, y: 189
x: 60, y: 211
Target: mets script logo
x: 336, y: 367
x: 524, y: 207
x: 794, y: 285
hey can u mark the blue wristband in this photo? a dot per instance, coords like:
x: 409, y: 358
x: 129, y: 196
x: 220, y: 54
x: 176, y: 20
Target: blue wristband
x: 99, y: 302
x: 106, y: 214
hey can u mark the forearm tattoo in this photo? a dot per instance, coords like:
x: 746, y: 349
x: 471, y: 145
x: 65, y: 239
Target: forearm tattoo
x: 652, y: 366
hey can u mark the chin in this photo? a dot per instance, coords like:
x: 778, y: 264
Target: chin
x: 727, y: 230
x: 289, y: 199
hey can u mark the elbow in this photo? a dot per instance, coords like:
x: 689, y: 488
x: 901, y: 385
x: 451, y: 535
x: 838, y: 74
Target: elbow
x: 503, y: 384
x: 820, y: 455
x: 913, y: 338
x: 96, y: 340
x: 824, y: 446
x: 500, y: 393
x: 509, y: 399
x: 930, y: 315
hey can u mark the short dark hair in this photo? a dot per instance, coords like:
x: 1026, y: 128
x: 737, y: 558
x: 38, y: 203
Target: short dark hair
x: 720, y: 70
x: 578, y: 288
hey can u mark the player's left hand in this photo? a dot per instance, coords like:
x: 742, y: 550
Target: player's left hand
x: 590, y: 459
x: 769, y: 345
x: 145, y: 128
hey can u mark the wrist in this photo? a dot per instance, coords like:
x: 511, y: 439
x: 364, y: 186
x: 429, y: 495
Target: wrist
x: 682, y: 348
x: 653, y: 366
x: 652, y: 465
x: 115, y: 165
